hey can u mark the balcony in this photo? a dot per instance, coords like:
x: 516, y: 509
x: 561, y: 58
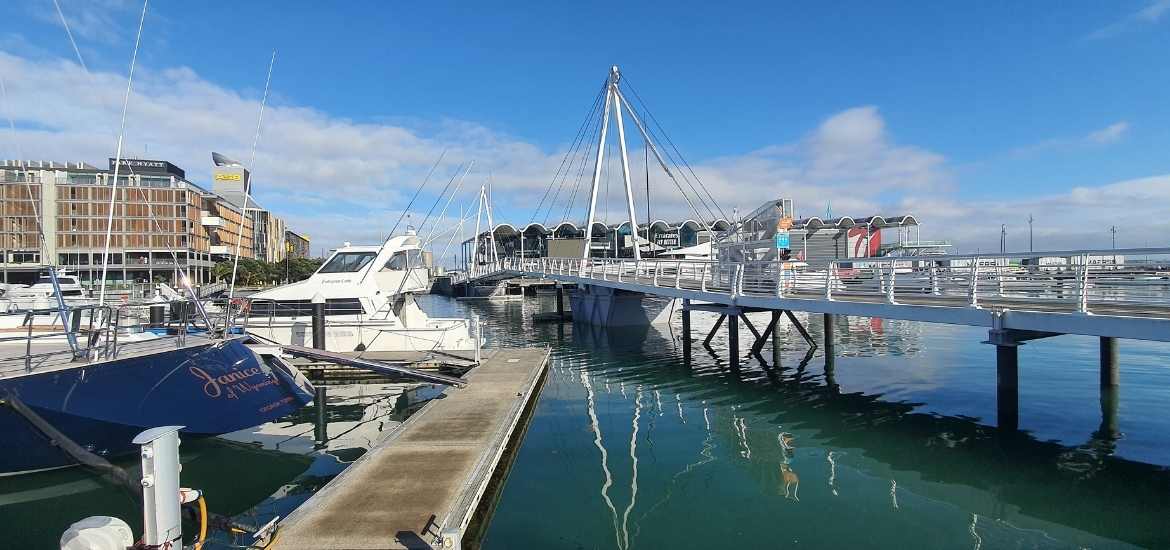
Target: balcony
x: 211, y: 221
x: 222, y: 249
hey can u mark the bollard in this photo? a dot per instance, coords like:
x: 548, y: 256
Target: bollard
x: 162, y: 521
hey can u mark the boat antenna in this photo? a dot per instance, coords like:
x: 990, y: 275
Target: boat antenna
x: 118, y: 157
x: 248, y: 183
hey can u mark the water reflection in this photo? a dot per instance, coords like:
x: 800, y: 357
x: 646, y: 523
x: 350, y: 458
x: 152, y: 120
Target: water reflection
x: 903, y: 476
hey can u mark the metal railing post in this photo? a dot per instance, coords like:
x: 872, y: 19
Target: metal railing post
x: 829, y: 281
x: 677, y: 273
x: 934, y: 279
x: 974, y: 286
x: 890, y: 286
x: 703, y: 281
x: 1083, y: 286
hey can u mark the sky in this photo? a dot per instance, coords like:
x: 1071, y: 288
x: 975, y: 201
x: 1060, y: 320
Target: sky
x: 968, y: 116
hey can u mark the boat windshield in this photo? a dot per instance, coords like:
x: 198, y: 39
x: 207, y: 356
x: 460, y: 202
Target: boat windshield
x: 348, y: 262
x: 404, y: 259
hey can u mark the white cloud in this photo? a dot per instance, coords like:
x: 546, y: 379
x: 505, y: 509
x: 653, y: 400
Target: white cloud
x: 1149, y: 15
x: 1109, y: 134
x: 338, y: 179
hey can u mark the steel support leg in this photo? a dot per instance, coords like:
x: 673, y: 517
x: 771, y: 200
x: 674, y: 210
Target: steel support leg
x: 1110, y: 376
x: 733, y: 340
x: 828, y: 320
x: 768, y: 332
x: 1007, y: 387
x: 714, y: 329
x: 800, y: 328
x: 686, y: 331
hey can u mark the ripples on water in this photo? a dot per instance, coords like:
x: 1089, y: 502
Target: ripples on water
x: 892, y: 446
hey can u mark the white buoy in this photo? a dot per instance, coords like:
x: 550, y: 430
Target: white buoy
x: 98, y: 533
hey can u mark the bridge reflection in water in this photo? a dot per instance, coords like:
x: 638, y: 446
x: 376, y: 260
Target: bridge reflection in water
x: 769, y: 453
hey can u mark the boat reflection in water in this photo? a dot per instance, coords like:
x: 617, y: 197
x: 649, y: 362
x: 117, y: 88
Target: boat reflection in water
x: 775, y: 454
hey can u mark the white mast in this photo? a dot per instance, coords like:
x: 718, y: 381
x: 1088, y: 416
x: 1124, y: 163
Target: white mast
x: 118, y: 159
x: 597, y: 171
x: 617, y: 106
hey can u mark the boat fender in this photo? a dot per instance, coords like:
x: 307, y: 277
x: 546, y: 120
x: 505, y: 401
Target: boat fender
x: 97, y: 533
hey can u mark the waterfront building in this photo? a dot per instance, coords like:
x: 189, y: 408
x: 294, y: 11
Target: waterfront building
x: 296, y: 245
x: 163, y: 223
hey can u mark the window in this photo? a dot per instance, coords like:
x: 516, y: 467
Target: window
x: 348, y: 262
x: 404, y: 258
x: 303, y: 308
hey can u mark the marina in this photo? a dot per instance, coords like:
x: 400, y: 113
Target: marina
x: 589, y: 339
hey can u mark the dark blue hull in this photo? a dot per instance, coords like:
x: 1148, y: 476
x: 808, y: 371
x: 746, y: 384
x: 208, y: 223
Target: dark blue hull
x: 211, y: 389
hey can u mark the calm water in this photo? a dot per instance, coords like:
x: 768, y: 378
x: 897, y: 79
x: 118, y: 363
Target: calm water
x: 894, y: 445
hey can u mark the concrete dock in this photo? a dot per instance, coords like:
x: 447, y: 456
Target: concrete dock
x: 430, y: 475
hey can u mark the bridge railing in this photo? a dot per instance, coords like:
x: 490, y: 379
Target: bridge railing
x: 1077, y: 280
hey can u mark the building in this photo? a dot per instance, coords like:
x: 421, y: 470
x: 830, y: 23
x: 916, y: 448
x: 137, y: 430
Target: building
x: 163, y: 224
x: 296, y: 245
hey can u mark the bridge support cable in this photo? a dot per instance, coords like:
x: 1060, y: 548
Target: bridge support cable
x: 670, y: 142
x: 578, y: 140
x: 661, y: 162
x: 583, y: 165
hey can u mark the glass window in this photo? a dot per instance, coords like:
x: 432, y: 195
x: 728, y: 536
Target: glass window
x: 348, y: 262
x: 403, y: 258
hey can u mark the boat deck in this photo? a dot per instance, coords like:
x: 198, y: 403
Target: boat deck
x: 432, y: 472
x: 49, y: 354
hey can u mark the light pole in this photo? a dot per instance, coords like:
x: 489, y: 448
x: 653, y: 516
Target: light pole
x: 1030, y: 220
x: 1113, y: 230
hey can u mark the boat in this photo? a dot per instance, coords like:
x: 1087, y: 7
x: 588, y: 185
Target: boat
x: 100, y: 387
x: 369, y: 296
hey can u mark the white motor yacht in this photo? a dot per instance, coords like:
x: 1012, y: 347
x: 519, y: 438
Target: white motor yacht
x: 369, y: 304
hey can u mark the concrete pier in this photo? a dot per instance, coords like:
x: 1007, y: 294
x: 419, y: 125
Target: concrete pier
x: 1110, y: 376
x: 430, y: 475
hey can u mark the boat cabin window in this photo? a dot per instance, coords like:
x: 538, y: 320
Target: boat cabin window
x: 403, y: 258
x: 348, y: 262
x: 304, y: 308
x: 63, y: 281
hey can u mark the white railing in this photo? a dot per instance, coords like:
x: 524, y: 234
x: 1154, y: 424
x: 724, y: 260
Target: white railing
x: 1080, y: 280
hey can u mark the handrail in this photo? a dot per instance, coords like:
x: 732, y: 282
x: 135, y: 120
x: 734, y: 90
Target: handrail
x: 954, y: 280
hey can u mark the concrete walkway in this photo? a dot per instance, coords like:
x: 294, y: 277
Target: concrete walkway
x: 430, y: 473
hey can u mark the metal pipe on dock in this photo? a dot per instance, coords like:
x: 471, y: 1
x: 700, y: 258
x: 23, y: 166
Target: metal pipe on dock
x: 319, y: 322
x: 321, y: 427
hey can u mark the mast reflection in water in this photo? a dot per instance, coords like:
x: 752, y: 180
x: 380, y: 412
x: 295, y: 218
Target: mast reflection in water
x: 892, y: 444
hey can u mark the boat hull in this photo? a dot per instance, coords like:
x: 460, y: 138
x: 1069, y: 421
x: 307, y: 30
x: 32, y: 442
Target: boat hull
x: 210, y: 389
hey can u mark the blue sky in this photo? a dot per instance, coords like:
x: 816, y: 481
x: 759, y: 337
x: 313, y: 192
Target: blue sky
x: 966, y: 115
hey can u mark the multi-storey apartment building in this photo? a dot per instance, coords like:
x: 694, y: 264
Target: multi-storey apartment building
x: 296, y: 245
x: 162, y: 223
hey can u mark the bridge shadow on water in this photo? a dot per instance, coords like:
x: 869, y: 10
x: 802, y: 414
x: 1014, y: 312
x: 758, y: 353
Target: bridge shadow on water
x: 1015, y: 475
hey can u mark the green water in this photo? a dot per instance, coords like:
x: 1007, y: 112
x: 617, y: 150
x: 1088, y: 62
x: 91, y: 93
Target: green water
x: 893, y: 445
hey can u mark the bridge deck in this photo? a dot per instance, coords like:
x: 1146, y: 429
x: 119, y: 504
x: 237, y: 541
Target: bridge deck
x: 1070, y: 300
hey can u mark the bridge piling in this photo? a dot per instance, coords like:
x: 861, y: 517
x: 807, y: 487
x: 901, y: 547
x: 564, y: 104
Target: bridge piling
x: 733, y: 340
x: 1110, y: 375
x: 686, y: 330
x: 1007, y: 386
x: 828, y: 320
x: 560, y: 301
